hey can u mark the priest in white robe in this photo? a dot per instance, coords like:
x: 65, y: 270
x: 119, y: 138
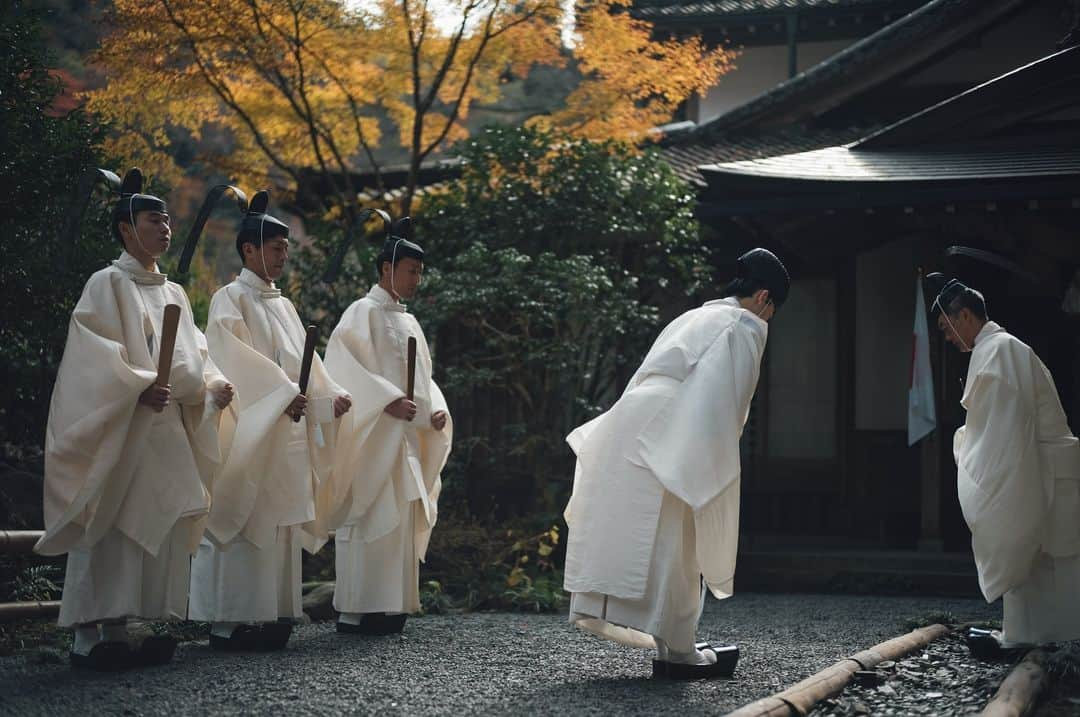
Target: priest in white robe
x: 276, y: 445
x: 127, y: 460
x: 1018, y: 479
x: 654, y: 514
x: 383, y: 498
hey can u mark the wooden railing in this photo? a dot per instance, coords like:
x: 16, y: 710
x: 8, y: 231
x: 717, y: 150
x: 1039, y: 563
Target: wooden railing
x: 21, y: 542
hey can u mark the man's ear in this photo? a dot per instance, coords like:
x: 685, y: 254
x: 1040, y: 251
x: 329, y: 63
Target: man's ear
x: 125, y: 233
x: 762, y: 296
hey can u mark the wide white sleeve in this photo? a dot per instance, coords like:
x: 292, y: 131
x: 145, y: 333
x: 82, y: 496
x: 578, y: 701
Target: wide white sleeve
x: 263, y: 391
x: 999, y: 482
x: 368, y: 441
x: 692, y: 444
x: 97, y: 429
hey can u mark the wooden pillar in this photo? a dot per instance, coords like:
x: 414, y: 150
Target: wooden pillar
x: 930, y: 529
x: 931, y: 454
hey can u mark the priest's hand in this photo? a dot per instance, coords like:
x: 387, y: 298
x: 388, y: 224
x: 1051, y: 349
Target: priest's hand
x: 156, y: 397
x: 296, y: 409
x: 223, y: 395
x: 438, y: 420
x: 402, y: 408
x: 342, y: 404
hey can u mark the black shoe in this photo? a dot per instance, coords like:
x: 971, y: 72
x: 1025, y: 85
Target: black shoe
x: 105, y: 657
x: 727, y: 657
x: 986, y: 645
x: 244, y: 638
x: 275, y: 635
x: 155, y: 650
x: 375, y: 623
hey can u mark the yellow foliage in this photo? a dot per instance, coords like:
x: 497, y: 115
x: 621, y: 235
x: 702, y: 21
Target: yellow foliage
x: 303, y: 84
x: 632, y: 82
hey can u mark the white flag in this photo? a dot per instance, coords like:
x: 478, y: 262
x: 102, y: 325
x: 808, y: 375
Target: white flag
x: 921, y: 417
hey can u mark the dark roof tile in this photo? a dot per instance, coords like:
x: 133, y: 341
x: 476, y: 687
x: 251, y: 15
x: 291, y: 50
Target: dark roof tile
x: 660, y: 9
x: 685, y: 158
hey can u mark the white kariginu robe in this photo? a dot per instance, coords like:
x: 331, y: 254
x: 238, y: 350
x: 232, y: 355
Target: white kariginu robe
x: 125, y: 491
x: 248, y: 567
x: 655, y: 505
x: 1018, y: 477
x: 383, y: 498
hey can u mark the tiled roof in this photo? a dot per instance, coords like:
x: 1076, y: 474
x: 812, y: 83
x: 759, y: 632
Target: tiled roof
x: 658, y: 9
x: 783, y: 120
x: 891, y: 50
x: 686, y: 157
x: 846, y: 165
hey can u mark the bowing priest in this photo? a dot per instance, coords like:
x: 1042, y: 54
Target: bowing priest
x: 1018, y: 479
x: 276, y: 445
x: 128, y: 454
x: 384, y: 494
x: 654, y: 514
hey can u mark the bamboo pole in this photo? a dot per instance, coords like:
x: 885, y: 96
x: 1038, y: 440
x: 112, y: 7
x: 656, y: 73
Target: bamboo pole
x: 17, y: 542
x: 1020, y: 690
x: 19, y: 610
x: 800, y: 698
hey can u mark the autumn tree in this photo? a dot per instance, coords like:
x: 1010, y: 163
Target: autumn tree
x: 632, y: 81
x: 314, y: 85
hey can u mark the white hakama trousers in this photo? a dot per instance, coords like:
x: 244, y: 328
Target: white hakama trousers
x: 1046, y: 608
x: 382, y: 575
x: 242, y: 582
x: 674, y: 594
x: 117, y: 578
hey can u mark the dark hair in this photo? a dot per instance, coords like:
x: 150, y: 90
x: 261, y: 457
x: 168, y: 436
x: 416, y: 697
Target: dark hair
x: 742, y: 288
x: 255, y: 242
x: 116, y: 222
x: 969, y: 299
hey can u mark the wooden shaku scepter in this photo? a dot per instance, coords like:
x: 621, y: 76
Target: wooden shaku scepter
x: 305, y: 364
x: 168, y: 343
x: 411, y: 384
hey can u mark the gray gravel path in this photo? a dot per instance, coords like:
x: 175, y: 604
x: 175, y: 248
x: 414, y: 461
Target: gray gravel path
x: 482, y: 664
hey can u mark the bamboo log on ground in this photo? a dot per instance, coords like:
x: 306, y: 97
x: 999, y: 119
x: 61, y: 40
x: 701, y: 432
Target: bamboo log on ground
x: 19, y: 542
x: 21, y: 610
x: 800, y: 698
x: 1021, y: 688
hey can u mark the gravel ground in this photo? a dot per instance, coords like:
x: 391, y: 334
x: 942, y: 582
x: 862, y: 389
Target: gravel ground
x: 942, y: 679
x: 492, y: 663
x: 945, y: 680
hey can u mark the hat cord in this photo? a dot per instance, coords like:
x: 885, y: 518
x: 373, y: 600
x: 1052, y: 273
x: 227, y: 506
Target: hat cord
x: 131, y: 221
x: 393, y: 265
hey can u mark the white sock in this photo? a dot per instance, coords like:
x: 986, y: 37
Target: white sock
x: 661, y: 650
x: 223, y: 629
x: 86, y: 637
x: 696, y: 657
x: 351, y: 618
x: 114, y: 631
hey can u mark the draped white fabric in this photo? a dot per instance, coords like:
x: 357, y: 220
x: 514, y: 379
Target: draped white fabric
x: 264, y: 498
x: 384, y: 492
x: 1018, y: 467
x: 125, y: 488
x: 673, y: 435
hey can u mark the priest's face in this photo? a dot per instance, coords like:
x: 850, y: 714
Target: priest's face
x: 268, y: 261
x: 407, y: 276
x: 154, y: 234
x: 960, y: 329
